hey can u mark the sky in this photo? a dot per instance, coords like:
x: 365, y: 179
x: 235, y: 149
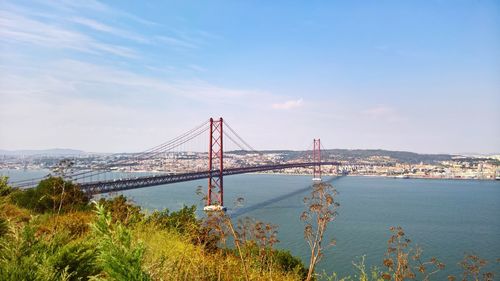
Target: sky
x: 123, y: 76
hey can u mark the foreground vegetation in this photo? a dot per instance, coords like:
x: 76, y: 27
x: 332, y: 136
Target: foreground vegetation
x: 55, y: 232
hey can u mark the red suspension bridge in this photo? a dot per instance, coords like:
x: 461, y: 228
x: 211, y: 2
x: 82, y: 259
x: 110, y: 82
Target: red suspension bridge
x: 215, y: 172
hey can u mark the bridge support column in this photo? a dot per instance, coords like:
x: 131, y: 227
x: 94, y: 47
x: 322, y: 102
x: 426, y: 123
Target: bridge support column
x: 317, y: 159
x: 215, y: 194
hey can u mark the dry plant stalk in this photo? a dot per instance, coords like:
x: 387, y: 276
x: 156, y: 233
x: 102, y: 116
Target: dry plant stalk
x: 248, y: 234
x: 254, y: 234
x: 399, y: 257
x: 321, y: 209
x: 471, y: 266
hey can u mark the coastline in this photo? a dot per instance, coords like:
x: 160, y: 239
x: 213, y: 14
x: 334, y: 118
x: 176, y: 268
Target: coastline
x: 377, y: 176
x: 401, y: 177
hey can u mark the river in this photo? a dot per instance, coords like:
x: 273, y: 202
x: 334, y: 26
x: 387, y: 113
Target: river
x: 447, y: 218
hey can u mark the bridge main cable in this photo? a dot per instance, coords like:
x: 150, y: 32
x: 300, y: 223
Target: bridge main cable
x: 147, y: 154
x: 151, y: 153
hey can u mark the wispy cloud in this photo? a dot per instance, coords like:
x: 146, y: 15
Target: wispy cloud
x: 20, y: 29
x: 66, y: 78
x: 176, y: 42
x: 101, y: 27
x: 291, y: 104
x: 75, y: 25
x: 81, y: 73
x: 76, y: 99
x: 94, y: 6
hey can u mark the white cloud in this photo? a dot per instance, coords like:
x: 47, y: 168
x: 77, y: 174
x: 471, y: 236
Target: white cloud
x: 291, y: 104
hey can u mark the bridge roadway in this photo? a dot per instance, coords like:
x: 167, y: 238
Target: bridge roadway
x: 105, y: 186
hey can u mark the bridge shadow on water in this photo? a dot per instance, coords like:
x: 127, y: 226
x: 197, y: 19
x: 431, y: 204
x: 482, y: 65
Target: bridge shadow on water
x: 243, y: 210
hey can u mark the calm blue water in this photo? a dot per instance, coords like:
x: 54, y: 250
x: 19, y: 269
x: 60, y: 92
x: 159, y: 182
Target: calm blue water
x: 445, y: 217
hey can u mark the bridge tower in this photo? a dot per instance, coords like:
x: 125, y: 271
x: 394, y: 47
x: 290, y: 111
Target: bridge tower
x: 317, y: 159
x: 215, y: 194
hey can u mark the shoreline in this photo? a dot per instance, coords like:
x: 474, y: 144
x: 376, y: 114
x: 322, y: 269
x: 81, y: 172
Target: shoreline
x: 376, y: 176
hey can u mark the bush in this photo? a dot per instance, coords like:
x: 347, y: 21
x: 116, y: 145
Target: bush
x: 122, y: 210
x: 120, y: 259
x: 4, y: 227
x: 26, y: 256
x: 14, y: 213
x: 76, y: 258
x: 183, y: 221
x: 5, y: 189
x: 289, y: 263
x: 76, y: 224
x: 51, y: 195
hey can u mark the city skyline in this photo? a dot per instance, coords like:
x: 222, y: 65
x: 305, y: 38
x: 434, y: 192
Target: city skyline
x: 124, y: 76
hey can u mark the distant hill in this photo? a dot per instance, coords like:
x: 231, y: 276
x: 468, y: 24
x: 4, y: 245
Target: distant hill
x: 350, y: 154
x: 331, y: 154
x: 43, y: 152
x: 402, y: 156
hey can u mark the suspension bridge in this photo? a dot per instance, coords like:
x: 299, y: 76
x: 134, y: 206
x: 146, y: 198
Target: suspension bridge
x: 91, y: 180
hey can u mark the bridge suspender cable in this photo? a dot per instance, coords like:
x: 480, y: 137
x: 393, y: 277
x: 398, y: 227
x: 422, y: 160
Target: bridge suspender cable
x: 147, y: 154
x: 240, y: 138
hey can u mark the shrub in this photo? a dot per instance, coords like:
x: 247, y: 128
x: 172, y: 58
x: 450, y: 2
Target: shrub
x: 5, y: 189
x: 76, y: 258
x: 120, y: 259
x: 121, y: 210
x: 76, y: 224
x: 51, y: 195
x: 14, y: 213
x: 4, y: 227
x: 183, y: 221
x: 26, y: 256
x: 289, y: 263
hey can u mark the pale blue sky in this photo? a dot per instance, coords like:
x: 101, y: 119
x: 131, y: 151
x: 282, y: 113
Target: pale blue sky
x: 115, y: 76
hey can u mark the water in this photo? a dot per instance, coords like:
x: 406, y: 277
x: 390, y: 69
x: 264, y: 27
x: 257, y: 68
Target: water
x: 445, y: 217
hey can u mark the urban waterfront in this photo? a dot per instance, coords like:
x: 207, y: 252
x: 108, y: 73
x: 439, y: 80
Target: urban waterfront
x: 445, y: 217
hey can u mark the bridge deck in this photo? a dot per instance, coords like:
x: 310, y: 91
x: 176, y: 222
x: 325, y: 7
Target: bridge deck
x: 98, y: 187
